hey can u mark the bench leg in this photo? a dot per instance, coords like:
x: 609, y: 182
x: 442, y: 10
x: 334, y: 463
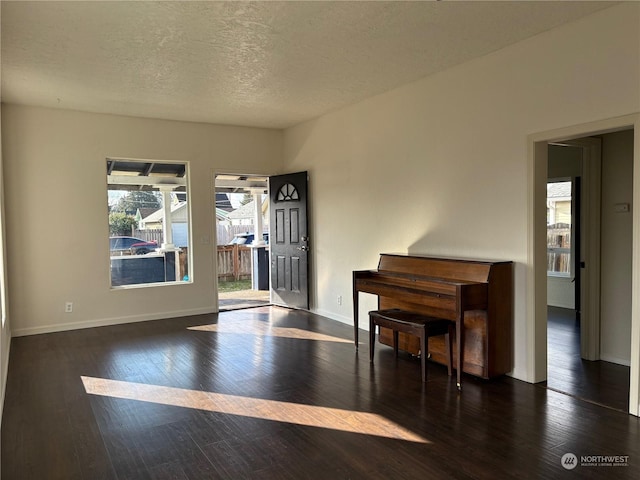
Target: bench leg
x: 372, y: 338
x: 395, y: 342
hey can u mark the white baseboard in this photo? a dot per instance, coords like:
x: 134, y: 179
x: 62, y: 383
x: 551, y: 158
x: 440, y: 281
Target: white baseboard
x: 620, y: 361
x: 333, y: 316
x: 104, y: 322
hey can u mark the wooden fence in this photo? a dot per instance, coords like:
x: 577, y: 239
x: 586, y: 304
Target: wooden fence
x: 234, y: 262
x: 149, y: 235
x: 559, y: 248
x: 225, y: 233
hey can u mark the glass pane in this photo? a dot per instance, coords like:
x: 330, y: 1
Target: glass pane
x: 148, y: 222
x: 559, y: 228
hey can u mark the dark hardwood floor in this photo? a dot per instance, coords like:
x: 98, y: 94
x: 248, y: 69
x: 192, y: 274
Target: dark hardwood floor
x: 601, y: 382
x: 270, y: 393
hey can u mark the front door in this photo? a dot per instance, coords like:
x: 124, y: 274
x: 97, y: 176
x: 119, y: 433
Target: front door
x: 289, y: 240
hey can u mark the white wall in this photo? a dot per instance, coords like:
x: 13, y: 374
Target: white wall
x: 427, y: 167
x: 56, y: 198
x: 616, y: 248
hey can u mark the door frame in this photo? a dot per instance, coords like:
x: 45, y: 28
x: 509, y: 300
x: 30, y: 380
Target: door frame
x: 536, y: 294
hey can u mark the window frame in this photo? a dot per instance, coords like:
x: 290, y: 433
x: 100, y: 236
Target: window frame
x: 178, y: 184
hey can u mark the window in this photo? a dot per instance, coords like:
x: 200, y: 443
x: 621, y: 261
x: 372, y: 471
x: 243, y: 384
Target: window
x: 148, y: 210
x: 559, y: 252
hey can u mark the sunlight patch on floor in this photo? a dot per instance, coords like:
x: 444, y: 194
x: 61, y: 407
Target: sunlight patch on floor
x: 267, y: 330
x: 295, y: 413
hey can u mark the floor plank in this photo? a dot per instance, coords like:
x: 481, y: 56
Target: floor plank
x: 272, y: 393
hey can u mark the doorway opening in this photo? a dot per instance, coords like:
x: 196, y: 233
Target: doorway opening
x: 587, y: 311
x: 242, y: 234
x: 568, y: 369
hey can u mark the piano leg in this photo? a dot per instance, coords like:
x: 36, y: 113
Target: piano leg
x: 355, y: 317
x: 423, y: 354
x: 460, y: 347
x: 395, y: 342
x: 448, y: 341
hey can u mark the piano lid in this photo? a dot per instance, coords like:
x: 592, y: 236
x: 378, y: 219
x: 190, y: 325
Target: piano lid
x: 439, y: 267
x: 487, y: 261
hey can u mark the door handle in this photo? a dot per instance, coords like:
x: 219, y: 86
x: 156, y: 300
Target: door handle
x: 304, y: 248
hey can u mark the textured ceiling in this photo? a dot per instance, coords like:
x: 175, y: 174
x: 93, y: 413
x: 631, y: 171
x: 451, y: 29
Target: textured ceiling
x: 264, y: 64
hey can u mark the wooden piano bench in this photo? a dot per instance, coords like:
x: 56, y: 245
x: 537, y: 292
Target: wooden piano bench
x: 421, y: 326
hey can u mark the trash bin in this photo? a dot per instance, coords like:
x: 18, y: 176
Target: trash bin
x: 260, y: 267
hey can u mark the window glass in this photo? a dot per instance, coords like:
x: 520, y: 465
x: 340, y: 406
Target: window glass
x: 559, y: 228
x: 148, y: 214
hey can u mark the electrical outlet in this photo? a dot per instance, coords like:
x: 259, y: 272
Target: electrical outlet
x: 339, y: 299
x: 68, y: 307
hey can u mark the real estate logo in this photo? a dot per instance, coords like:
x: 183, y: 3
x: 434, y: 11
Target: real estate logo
x: 569, y: 461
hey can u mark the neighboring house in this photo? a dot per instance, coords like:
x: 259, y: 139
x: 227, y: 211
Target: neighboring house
x: 222, y: 216
x: 179, y: 224
x: 558, y: 203
x: 223, y: 202
x: 245, y: 214
x: 142, y: 213
x: 179, y: 214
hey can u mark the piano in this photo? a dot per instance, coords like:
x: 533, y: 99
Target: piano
x: 475, y: 294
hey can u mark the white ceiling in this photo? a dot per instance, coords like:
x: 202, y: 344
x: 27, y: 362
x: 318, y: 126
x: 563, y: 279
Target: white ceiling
x: 263, y: 64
